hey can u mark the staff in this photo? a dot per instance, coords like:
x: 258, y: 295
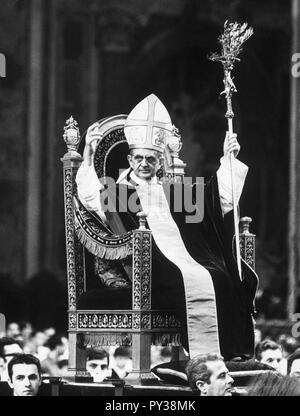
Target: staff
x: 233, y: 37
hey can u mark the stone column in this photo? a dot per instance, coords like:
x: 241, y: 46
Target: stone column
x: 35, y: 136
x: 49, y: 254
x: 294, y: 181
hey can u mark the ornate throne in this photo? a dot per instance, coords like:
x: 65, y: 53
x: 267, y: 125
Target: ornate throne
x: 96, y: 257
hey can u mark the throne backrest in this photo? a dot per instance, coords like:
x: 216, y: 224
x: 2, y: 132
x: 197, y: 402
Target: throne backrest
x: 108, y: 161
x: 112, y: 150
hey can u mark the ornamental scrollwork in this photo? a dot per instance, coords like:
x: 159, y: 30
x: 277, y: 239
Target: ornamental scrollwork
x: 146, y: 321
x: 136, y: 320
x: 104, y: 146
x: 69, y: 221
x: 75, y: 254
x: 72, y: 321
x: 142, y: 270
x: 160, y: 320
x: 104, y: 321
x: 247, y: 245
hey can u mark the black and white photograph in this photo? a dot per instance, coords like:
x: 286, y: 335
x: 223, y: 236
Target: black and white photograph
x: 150, y: 201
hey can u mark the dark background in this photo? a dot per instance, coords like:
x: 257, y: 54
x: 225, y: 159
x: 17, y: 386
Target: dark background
x: 94, y: 59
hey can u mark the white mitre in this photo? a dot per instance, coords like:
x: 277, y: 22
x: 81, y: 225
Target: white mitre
x: 148, y: 125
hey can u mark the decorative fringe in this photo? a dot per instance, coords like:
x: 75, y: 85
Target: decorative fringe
x: 98, y: 340
x: 166, y: 339
x: 100, y: 250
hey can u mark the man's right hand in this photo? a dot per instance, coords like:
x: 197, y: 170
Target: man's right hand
x: 93, y: 136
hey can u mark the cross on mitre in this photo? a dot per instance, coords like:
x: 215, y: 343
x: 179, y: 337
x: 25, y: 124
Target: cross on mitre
x: 148, y: 125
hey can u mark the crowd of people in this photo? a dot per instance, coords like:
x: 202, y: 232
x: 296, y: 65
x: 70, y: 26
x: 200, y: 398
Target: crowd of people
x: 28, y: 356
x: 280, y: 361
x: 45, y: 352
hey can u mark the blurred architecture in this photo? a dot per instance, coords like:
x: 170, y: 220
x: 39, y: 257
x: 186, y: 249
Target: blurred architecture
x: 97, y: 58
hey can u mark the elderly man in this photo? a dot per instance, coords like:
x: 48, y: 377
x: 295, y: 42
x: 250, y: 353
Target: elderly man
x: 24, y: 372
x: 209, y: 375
x: 194, y: 267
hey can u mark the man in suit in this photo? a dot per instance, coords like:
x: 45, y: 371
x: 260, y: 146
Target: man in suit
x: 209, y: 375
x: 24, y: 372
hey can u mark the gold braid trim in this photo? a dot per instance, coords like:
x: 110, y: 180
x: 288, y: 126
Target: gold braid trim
x: 90, y: 232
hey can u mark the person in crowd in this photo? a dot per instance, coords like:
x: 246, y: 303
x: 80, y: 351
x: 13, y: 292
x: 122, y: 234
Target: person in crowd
x: 122, y: 363
x: 57, y: 346
x: 289, y: 345
x: 166, y: 354
x: 208, y: 374
x: 49, y: 331
x: 160, y: 355
x: 63, y: 369
x: 269, y: 352
x: 97, y: 364
x: 26, y: 331
x: 24, y: 372
x: 36, y: 345
x: 293, y: 364
x: 272, y: 383
x: 9, y: 347
x: 13, y: 330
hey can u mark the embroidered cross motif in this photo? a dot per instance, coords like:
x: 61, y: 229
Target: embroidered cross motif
x: 150, y: 124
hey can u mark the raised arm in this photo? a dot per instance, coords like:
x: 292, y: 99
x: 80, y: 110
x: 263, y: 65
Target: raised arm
x: 224, y: 173
x: 88, y: 185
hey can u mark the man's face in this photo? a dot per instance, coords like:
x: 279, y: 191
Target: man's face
x: 144, y: 162
x: 40, y: 339
x: 13, y: 330
x: 272, y: 357
x: 121, y: 362
x: 98, y: 369
x: 25, y: 380
x: 10, y: 350
x: 220, y: 382
x: 295, y: 368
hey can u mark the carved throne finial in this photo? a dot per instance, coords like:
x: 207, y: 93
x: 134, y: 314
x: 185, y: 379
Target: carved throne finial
x: 174, y: 166
x: 245, y: 224
x: 174, y: 142
x: 71, y: 134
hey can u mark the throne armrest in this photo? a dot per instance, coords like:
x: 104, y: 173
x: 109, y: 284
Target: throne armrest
x: 247, y: 242
x: 97, y: 238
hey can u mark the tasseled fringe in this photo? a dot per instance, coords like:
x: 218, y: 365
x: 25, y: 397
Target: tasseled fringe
x: 102, y: 251
x: 104, y: 340
x: 98, y: 340
x: 166, y: 339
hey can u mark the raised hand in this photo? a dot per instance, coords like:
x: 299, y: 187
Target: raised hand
x: 231, y: 145
x: 93, y: 136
